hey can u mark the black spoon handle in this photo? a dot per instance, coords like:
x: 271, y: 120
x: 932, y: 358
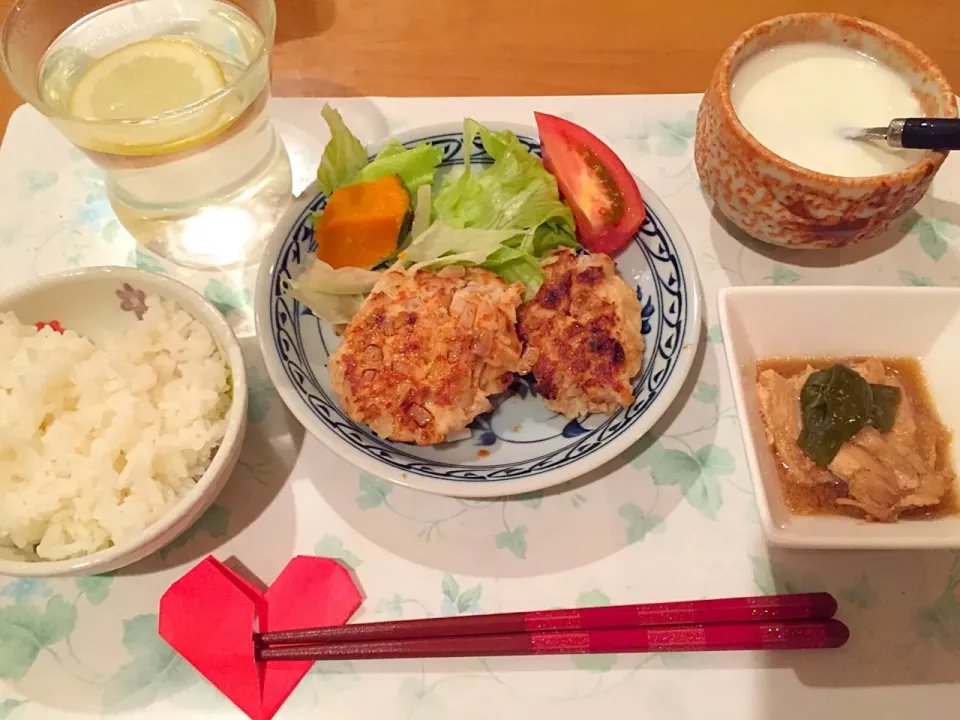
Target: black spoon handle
x: 926, y: 133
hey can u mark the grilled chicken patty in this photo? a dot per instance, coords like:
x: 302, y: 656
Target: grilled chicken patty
x: 584, y: 325
x: 426, y: 349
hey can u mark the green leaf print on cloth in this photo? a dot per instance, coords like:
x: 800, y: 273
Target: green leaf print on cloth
x: 940, y: 621
x: 227, y: 298
x: 933, y: 235
x: 25, y: 630
x: 332, y: 547
x: 260, y: 395
x: 155, y: 668
x: 697, y: 472
x: 214, y: 522
x: 450, y: 588
x: 514, y: 540
x: 911, y: 278
x: 95, y: 587
x: 8, y: 706
x: 861, y: 594
x: 533, y: 500
x: 714, y: 335
x: 373, y: 492
x: 668, y: 137
x: 772, y: 578
x: 705, y: 392
x: 639, y: 524
x: 457, y: 601
x: 144, y: 261
x: 782, y: 275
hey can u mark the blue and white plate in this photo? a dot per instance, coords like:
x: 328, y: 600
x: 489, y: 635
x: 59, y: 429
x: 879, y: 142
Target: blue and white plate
x: 521, y: 446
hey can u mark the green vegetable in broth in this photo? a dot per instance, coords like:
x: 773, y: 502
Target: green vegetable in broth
x: 837, y: 403
x: 886, y: 400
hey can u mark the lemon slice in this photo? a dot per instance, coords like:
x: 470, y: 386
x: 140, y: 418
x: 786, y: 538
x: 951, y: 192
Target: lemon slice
x: 144, y: 80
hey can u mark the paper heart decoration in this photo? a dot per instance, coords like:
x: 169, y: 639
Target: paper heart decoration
x: 209, y: 616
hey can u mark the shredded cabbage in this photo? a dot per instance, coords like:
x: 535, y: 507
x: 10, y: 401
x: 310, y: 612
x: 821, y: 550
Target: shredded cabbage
x: 334, y: 295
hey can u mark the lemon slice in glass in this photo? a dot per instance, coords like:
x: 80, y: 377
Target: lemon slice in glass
x: 147, y: 79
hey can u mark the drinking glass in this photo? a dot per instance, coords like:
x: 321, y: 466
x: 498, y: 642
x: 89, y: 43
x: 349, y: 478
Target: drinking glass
x: 169, y: 98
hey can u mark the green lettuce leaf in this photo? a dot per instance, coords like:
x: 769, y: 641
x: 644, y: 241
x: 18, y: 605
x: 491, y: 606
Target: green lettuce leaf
x: 343, y: 157
x: 550, y: 236
x: 441, y: 245
x: 422, y: 211
x: 345, y: 162
x: 415, y: 167
x: 515, y: 265
x: 515, y: 192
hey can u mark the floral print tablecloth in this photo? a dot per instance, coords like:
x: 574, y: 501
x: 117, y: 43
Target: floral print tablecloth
x: 672, y: 519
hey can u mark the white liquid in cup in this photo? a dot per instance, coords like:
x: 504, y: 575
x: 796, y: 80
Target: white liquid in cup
x: 795, y: 98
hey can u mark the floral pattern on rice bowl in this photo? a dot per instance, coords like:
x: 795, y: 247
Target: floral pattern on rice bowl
x: 132, y: 300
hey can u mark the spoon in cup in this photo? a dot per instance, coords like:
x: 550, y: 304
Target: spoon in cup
x: 914, y: 133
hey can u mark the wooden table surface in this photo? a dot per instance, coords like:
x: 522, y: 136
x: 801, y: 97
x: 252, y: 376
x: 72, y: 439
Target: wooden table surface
x: 541, y: 47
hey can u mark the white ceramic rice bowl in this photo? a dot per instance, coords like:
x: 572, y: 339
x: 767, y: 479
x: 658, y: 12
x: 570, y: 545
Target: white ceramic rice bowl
x: 86, y: 301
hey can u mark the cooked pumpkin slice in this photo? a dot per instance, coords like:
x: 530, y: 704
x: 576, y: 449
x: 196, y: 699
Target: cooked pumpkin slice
x: 362, y: 223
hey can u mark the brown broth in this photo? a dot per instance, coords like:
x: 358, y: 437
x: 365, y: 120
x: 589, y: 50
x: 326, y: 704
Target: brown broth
x: 821, y: 499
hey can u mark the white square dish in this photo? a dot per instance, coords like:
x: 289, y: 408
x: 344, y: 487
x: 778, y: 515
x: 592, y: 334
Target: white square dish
x: 761, y: 323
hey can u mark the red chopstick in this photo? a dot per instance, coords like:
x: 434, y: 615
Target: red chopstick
x: 772, y: 608
x: 795, y: 635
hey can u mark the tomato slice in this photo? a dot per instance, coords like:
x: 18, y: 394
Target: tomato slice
x: 594, y: 182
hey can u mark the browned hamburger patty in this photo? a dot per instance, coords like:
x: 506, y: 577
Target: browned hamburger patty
x: 426, y: 349
x: 585, y: 325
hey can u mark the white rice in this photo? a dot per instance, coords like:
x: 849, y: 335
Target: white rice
x: 98, y: 441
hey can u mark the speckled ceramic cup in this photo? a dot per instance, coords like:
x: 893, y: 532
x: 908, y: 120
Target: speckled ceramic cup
x: 781, y: 203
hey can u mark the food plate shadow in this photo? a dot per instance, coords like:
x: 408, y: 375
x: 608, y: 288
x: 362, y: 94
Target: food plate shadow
x: 902, y: 608
x: 902, y: 613
x: 576, y: 524
x: 941, y: 209
x: 264, y: 467
x: 729, y: 253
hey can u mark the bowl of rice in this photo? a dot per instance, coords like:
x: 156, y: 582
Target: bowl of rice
x: 122, y: 412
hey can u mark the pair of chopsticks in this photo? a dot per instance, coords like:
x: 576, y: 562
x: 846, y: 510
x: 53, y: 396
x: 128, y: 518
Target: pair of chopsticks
x: 777, y: 622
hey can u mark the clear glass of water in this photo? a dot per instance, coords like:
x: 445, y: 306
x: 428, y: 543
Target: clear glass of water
x: 169, y: 97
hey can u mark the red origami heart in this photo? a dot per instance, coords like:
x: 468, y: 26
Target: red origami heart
x: 210, y: 614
